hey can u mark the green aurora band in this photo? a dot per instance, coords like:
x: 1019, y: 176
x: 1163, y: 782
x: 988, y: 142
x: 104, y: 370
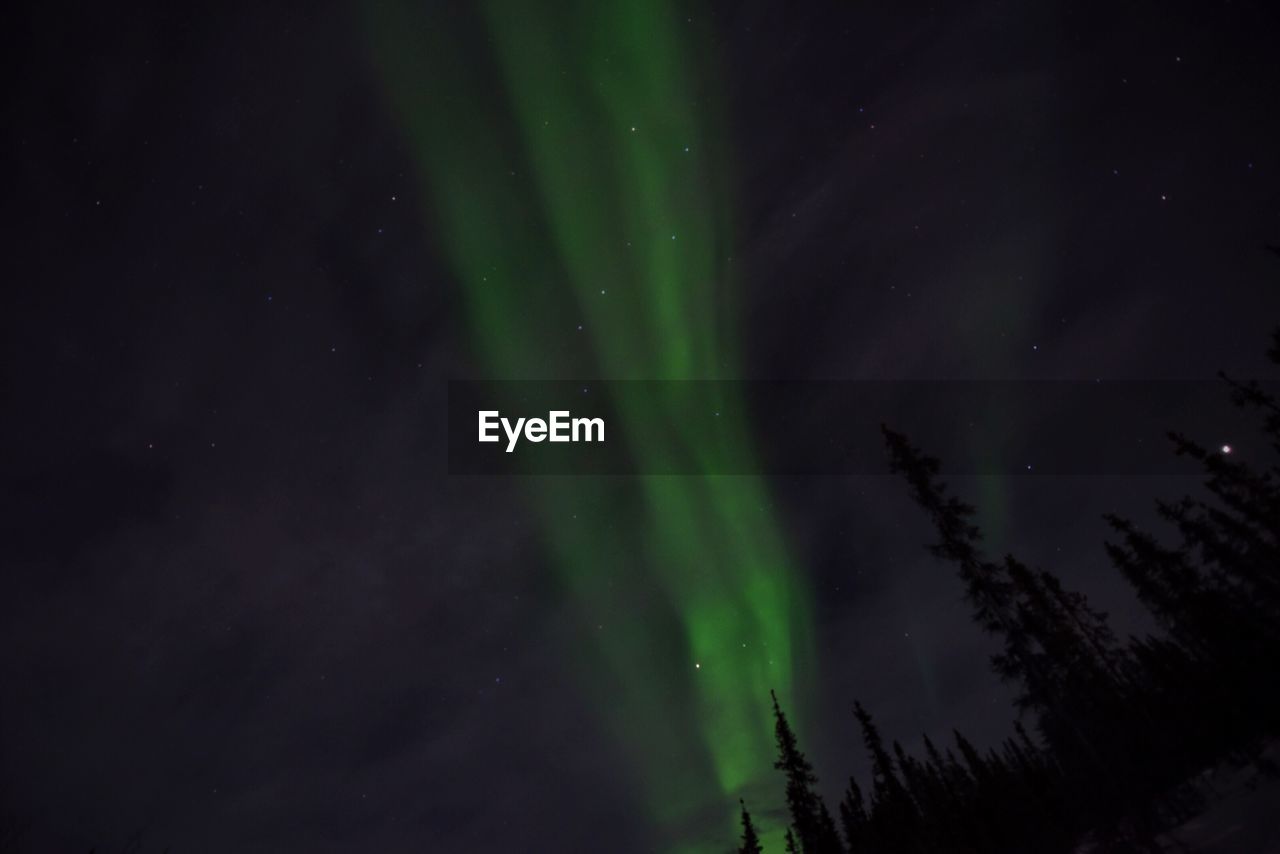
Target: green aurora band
x: 573, y: 160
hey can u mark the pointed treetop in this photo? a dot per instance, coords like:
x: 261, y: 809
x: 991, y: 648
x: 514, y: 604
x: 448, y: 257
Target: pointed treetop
x: 750, y: 839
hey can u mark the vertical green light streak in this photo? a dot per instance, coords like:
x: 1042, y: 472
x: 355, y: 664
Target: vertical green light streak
x: 576, y: 178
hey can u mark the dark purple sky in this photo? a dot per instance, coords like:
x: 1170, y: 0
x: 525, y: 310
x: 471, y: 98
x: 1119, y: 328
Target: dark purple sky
x: 242, y: 605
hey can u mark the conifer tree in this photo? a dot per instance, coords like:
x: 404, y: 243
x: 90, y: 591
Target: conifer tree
x: 885, y: 785
x: 986, y: 587
x: 1216, y: 593
x: 1119, y: 728
x: 750, y: 841
x: 893, y: 814
x: 815, y: 830
x: 828, y: 836
x: 853, y: 818
x: 1000, y: 604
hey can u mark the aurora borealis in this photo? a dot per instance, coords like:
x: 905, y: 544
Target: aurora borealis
x: 587, y: 198
x: 248, y: 605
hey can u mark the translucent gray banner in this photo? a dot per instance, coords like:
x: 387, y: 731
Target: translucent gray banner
x: 827, y: 428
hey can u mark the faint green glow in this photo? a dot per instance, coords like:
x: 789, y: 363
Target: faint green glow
x: 577, y: 174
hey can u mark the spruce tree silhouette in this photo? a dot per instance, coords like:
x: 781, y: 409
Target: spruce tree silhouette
x: 853, y: 818
x: 750, y: 841
x: 892, y: 811
x: 1122, y: 730
x: 1000, y: 597
x: 814, y: 828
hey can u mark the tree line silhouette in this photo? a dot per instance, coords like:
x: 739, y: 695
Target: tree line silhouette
x: 1120, y: 729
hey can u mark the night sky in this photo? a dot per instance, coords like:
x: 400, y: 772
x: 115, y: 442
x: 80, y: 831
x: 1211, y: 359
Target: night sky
x: 246, y: 608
